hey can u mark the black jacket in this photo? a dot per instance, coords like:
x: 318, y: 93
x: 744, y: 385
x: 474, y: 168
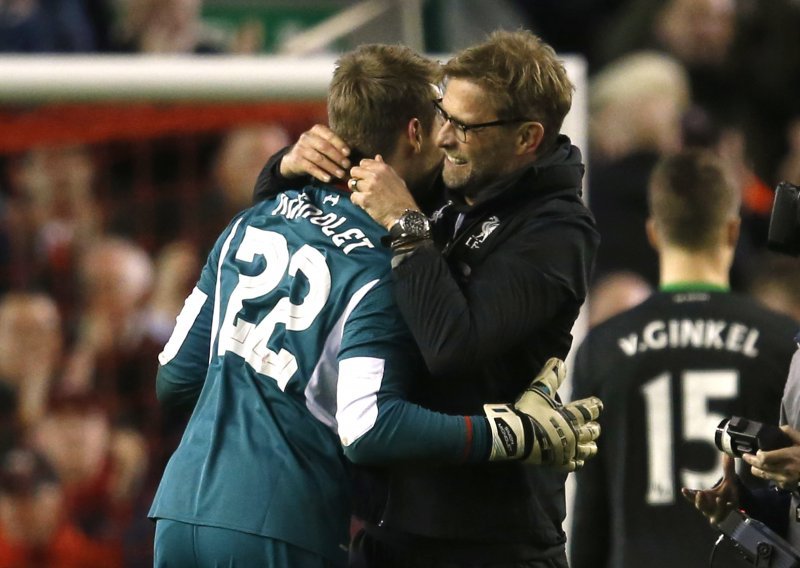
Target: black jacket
x: 488, y: 307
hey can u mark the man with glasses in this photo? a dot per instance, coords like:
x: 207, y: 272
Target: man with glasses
x: 490, y: 287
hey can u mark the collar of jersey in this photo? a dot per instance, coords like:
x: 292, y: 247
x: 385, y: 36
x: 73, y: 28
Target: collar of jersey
x: 340, y: 184
x: 693, y: 287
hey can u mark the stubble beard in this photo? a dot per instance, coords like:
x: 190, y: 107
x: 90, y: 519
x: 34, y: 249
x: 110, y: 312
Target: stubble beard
x: 462, y: 182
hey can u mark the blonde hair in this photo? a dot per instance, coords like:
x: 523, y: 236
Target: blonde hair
x: 637, y: 103
x: 523, y: 76
x: 376, y: 89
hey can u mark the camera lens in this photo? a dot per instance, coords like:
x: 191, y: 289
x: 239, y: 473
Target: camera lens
x: 722, y: 438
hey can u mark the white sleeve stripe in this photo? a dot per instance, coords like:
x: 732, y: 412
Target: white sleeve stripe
x: 191, y: 308
x: 321, y: 389
x: 215, y: 318
x: 357, y: 401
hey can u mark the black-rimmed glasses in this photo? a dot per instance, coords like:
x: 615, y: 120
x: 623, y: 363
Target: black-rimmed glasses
x: 461, y: 128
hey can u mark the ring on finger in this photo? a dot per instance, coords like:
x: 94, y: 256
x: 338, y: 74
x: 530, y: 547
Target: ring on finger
x: 353, y: 183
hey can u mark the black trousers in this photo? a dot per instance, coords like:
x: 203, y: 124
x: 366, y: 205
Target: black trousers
x: 369, y: 552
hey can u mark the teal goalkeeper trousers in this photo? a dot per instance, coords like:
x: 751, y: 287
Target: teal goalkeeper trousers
x: 183, y: 545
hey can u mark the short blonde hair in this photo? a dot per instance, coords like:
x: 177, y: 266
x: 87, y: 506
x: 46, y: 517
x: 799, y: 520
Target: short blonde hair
x: 376, y: 89
x: 636, y: 103
x: 523, y: 76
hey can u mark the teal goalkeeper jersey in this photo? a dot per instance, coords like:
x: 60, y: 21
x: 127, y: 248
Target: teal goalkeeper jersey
x: 294, y: 355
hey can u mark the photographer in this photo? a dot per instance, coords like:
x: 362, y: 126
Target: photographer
x: 776, y: 509
x: 779, y: 510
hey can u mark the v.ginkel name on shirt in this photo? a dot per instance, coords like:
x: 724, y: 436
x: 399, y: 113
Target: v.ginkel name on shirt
x: 716, y: 335
x: 330, y: 223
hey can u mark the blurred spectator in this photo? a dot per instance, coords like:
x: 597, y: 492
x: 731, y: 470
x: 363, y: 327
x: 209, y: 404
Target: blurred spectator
x: 101, y: 468
x: 30, y: 350
x: 636, y: 105
x: 615, y: 293
x: 742, y: 56
x: 177, y: 268
x: 165, y: 26
x: 34, y: 530
x: 697, y: 32
x: 248, y: 38
x: 51, y: 217
x: 237, y: 163
x: 61, y: 26
x: 693, y: 31
x: 111, y: 357
x: 123, y: 318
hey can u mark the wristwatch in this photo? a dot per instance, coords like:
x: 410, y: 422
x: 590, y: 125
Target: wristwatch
x: 412, y: 225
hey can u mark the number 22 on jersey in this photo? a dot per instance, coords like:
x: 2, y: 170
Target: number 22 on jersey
x: 249, y: 338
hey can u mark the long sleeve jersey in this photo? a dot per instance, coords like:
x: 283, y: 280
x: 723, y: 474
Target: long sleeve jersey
x: 292, y: 352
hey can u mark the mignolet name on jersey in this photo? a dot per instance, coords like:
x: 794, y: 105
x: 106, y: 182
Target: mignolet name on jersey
x: 713, y: 334
x: 329, y: 223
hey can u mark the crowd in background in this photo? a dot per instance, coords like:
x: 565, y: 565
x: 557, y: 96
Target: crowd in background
x: 99, y: 244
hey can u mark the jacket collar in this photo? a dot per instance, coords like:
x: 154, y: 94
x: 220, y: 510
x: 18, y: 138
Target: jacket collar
x: 558, y: 172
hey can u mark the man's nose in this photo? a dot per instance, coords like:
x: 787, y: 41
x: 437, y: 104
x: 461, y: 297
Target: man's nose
x: 446, y: 136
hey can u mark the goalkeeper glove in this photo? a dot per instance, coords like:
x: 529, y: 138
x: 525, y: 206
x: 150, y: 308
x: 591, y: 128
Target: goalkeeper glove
x: 538, y: 429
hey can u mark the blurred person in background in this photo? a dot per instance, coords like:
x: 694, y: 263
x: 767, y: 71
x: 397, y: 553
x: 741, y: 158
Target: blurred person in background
x: 101, y: 467
x: 48, y: 26
x: 176, y: 268
x: 742, y: 58
x: 239, y: 161
x: 236, y: 166
x: 670, y: 370
x: 31, y: 345
x: 114, y: 356
x: 614, y: 293
x: 635, y: 107
x: 165, y: 26
x: 52, y: 216
x: 35, y: 530
x: 116, y: 278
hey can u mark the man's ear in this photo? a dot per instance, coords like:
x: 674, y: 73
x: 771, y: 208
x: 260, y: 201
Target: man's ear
x: 414, y: 134
x: 529, y: 137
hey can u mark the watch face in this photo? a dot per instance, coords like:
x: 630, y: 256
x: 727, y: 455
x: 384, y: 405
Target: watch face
x: 415, y: 223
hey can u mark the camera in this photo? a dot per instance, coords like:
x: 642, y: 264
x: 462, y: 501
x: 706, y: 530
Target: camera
x: 784, y: 222
x: 736, y: 436
x: 757, y: 543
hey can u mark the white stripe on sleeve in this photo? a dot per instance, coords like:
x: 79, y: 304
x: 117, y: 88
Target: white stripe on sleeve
x: 191, y: 308
x: 357, y: 401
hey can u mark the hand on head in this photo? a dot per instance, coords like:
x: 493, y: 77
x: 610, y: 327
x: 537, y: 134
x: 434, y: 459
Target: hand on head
x: 319, y: 153
x: 380, y: 191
